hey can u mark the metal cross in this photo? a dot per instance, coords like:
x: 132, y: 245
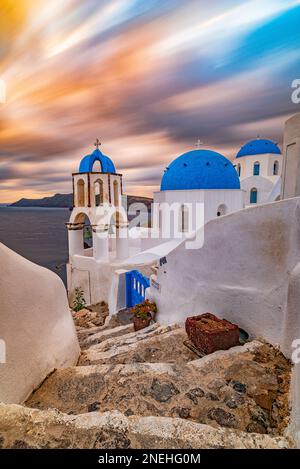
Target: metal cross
x: 97, y: 143
x: 198, y: 143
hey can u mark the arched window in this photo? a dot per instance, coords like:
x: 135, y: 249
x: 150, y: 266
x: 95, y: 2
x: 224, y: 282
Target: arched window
x: 238, y: 169
x: 99, y: 192
x: 116, y: 193
x: 222, y: 210
x: 80, y: 193
x: 275, y: 168
x: 97, y: 168
x: 184, y: 219
x: 256, y: 168
x: 87, y: 235
x: 253, y: 196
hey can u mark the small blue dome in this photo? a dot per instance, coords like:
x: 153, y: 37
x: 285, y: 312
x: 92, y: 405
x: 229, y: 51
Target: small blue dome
x: 259, y: 146
x: 200, y: 169
x: 87, y: 163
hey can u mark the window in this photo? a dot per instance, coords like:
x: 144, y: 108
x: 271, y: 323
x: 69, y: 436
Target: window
x: 222, y: 210
x: 238, y: 169
x: 184, y: 219
x: 116, y: 194
x: 256, y: 168
x: 275, y: 168
x: 99, y: 193
x: 80, y: 193
x: 253, y: 196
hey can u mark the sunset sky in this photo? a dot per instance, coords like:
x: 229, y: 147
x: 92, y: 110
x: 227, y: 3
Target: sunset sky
x: 145, y: 77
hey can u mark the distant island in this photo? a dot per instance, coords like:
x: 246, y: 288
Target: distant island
x: 66, y: 201
x: 55, y: 201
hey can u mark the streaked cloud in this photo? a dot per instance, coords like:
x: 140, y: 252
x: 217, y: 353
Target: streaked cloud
x: 147, y: 78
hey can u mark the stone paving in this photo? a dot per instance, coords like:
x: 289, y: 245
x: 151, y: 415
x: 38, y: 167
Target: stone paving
x: 147, y: 389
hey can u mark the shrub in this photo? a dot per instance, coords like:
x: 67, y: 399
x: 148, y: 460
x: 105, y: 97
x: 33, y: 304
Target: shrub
x: 79, y: 301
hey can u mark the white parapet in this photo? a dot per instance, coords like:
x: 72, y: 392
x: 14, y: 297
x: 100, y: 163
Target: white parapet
x: 37, y: 332
x: 291, y: 158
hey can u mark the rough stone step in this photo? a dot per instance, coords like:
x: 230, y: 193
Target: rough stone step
x: 110, y: 323
x: 105, y: 334
x: 230, y: 389
x: 163, y: 344
x: 21, y: 427
x: 132, y: 336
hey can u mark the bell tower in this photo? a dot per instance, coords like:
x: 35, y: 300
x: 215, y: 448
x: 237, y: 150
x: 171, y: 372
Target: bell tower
x: 97, y: 196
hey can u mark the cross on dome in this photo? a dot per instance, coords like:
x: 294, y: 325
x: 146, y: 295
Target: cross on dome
x: 97, y: 143
x: 198, y: 144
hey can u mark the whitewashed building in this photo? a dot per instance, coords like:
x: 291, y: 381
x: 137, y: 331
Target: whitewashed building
x: 259, y: 167
x: 198, y: 177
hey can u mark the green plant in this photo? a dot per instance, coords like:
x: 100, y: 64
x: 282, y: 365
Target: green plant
x: 143, y: 310
x: 79, y: 301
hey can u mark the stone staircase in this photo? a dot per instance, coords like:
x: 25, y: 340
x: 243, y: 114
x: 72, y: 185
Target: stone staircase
x: 146, y: 389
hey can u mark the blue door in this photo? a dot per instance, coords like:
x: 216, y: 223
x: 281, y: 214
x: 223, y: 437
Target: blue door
x: 253, y: 196
x: 136, y: 284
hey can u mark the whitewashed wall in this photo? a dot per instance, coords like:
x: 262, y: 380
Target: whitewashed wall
x: 242, y: 273
x: 35, y: 324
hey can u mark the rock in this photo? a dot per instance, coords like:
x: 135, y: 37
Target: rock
x: 193, y: 394
x: 20, y: 444
x: 216, y: 384
x: 239, y: 387
x: 212, y: 396
x: 223, y: 418
x: 182, y: 412
x: 94, y: 406
x: 254, y: 427
x: 232, y: 398
x: 260, y: 416
x: 265, y: 399
x: 162, y: 392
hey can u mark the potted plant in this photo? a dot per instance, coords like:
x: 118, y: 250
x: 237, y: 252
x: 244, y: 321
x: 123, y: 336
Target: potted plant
x: 143, y: 314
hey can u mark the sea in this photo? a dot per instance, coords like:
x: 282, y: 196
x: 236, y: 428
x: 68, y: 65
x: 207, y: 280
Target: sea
x: 38, y: 234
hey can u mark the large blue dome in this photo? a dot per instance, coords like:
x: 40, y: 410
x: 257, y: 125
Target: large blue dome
x: 259, y: 146
x: 200, y: 169
x: 87, y: 163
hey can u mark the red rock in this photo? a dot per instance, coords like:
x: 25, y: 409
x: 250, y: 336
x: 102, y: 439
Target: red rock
x: 209, y: 333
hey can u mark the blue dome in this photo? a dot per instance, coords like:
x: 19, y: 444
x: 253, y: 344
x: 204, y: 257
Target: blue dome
x: 259, y: 146
x: 200, y: 169
x: 87, y: 163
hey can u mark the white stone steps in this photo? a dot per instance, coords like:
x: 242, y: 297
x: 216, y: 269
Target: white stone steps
x: 162, y: 344
x: 106, y: 334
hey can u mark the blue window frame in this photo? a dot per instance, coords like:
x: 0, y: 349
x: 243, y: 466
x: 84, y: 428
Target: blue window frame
x: 256, y: 169
x: 253, y: 196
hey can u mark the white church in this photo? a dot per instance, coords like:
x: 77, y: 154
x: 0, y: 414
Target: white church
x: 259, y: 166
x: 196, y: 187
